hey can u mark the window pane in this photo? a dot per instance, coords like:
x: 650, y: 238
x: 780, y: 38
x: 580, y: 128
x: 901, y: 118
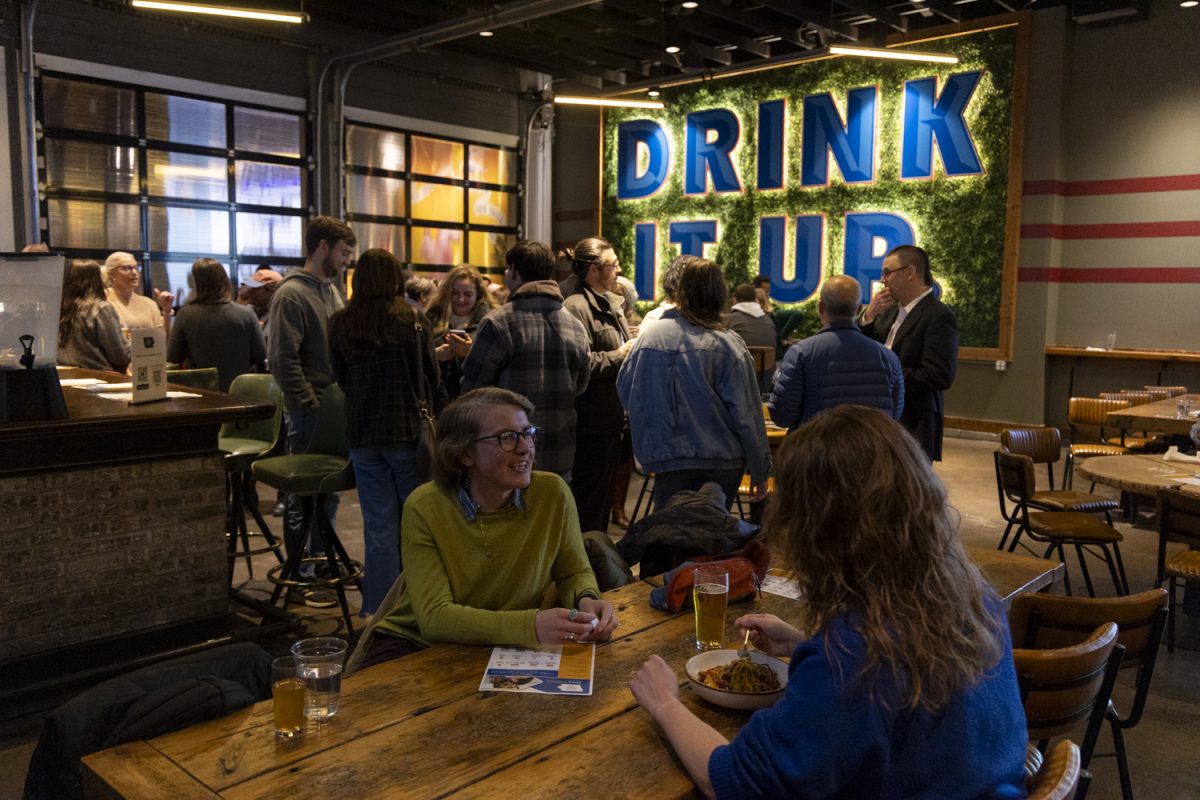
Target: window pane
x: 185, y: 120
x: 270, y: 132
x: 175, y: 277
x: 370, y: 147
x: 437, y: 157
x: 433, y: 201
x: 437, y: 246
x: 89, y: 107
x: 99, y: 225
x: 270, y: 235
x: 187, y: 176
x: 380, y: 197
x: 493, y: 165
x: 189, y: 230
x: 493, y: 208
x: 262, y: 184
x: 374, y: 234
x: 83, y: 165
x: 488, y: 249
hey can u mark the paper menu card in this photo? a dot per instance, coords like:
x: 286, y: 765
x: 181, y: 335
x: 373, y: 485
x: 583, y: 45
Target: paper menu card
x: 149, y: 351
x: 568, y: 669
x: 782, y: 583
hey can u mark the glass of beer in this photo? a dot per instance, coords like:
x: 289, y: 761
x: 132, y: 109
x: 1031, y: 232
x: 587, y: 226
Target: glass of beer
x: 710, y: 593
x: 287, y: 690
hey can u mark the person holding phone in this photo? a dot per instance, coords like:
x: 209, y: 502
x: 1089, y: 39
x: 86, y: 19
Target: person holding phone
x: 462, y: 301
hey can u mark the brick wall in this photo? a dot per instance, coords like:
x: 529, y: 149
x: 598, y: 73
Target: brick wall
x: 91, y: 553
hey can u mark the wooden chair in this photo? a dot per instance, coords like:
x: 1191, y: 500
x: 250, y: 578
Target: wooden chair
x: 1042, y: 621
x: 1178, y: 521
x: 1058, y: 776
x: 1145, y: 441
x: 1087, y: 417
x: 764, y: 366
x: 1063, y: 687
x: 1014, y: 478
x: 1044, y: 446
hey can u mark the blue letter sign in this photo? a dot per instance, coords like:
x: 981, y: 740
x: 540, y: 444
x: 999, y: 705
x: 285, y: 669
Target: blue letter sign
x: 925, y: 120
x: 853, y: 146
x: 631, y: 185
x: 703, y: 156
x: 770, y: 144
x: 692, y: 236
x: 645, y: 259
x: 864, y: 261
x: 809, y: 233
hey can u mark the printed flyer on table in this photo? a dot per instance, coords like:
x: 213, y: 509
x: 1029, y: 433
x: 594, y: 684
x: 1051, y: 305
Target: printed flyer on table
x: 544, y: 670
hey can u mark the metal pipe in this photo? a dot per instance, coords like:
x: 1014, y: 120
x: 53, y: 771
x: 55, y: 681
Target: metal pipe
x: 28, y: 12
x: 545, y: 106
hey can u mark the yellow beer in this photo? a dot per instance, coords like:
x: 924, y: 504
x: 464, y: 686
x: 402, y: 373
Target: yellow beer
x: 710, y: 593
x: 289, y: 706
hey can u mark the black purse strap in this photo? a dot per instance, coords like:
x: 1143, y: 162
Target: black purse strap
x: 424, y: 401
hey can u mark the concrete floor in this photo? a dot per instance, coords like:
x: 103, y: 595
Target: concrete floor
x: 1162, y: 749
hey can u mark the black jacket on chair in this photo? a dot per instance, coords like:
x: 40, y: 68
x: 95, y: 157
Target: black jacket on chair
x: 927, y: 346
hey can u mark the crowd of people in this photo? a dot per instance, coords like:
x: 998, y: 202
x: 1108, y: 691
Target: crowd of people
x: 902, y: 677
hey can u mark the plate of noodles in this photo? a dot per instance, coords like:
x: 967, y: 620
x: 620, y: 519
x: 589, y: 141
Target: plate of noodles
x: 720, y: 677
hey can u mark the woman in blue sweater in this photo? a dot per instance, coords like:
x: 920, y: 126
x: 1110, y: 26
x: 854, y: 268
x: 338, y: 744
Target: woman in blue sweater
x: 901, y: 680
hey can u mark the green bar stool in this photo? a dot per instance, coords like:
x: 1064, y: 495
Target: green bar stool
x: 324, y: 467
x: 206, y: 378
x: 244, y: 443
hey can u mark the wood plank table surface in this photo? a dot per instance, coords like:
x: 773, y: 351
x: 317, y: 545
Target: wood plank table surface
x: 419, y: 727
x: 1140, y: 474
x: 1159, y: 416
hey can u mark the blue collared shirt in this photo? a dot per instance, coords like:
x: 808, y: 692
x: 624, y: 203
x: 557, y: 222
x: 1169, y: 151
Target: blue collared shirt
x: 470, y: 509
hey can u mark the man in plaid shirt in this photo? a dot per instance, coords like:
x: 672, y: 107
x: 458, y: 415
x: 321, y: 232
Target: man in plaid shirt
x: 533, y: 347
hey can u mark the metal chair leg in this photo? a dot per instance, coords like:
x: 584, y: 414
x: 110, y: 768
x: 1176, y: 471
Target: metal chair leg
x: 1172, y: 606
x: 1087, y: 578
x: 1122, y: 760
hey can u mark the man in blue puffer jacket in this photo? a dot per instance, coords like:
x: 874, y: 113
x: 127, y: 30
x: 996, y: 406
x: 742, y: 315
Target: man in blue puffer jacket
x: 840, y: 365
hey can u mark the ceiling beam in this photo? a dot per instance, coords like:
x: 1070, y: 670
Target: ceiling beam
x: 700, y: 27
x: 813, y: 18
x: 785, y: 32
x: 944, y: 8
x: 879, y: 11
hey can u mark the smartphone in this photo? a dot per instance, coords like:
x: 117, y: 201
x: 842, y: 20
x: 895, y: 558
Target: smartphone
x: 457, y: 331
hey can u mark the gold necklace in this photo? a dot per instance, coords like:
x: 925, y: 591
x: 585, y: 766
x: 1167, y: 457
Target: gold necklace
x: 487, y: 546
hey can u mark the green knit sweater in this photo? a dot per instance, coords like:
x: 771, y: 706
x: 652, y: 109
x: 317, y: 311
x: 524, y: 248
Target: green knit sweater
x: 483, y: 581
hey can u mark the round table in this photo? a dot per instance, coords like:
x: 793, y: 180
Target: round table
x: 1139, y: 474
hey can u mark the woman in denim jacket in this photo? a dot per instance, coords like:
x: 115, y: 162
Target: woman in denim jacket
x: 692, y: 395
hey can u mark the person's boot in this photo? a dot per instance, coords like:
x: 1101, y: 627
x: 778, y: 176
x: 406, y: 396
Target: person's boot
x: 620, y: 489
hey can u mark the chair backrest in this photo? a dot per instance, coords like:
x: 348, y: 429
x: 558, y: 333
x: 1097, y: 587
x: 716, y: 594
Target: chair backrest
x: 1172, y: 391
x: 1064, y: 686
x: 1136, y: 397
x: 1058, y: 778
x: 1091, y: 412
x: 764, y: 358
x: 1014, y: 475
x: 206, y: 378
x: 1178, y: 521
x: 1043, y: 445
x: 1159, y: 392
x: 261, y: 387
x: 329, y: 435
x: 1042, y: 621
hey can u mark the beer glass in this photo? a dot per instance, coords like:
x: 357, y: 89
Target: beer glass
x: 710, y: 593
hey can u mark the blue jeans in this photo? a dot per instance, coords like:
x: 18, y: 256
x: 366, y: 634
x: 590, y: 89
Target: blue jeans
x: 385, y: 476
x: 301, y: 426
x: 668, y: 483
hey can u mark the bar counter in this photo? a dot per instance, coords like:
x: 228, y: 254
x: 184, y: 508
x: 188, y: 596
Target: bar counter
x: 113, y: 519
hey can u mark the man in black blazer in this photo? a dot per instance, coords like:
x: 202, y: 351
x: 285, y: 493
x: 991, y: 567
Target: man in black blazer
x: 923, y: 333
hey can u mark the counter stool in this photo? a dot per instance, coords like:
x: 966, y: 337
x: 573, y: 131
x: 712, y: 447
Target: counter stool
x: 324, y: 467
x: 244, y: 443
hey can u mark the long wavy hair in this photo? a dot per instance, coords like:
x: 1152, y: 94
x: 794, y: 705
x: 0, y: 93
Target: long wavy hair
x: 701, y: 295
x: 458, y: 428
x: 865, y: 524
x: 82, y: 288
x: 439, y: 309
x: 375, y: 301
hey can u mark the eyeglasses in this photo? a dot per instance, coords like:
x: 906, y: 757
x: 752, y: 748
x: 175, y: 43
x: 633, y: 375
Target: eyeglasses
x: 129, y: 268
x: 887, y: 272
x: 508, y: 439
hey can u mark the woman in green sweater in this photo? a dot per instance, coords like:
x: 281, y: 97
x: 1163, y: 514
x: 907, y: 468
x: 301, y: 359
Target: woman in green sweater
x: 483, y: 542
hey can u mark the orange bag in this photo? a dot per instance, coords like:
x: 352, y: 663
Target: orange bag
x: 747, y: 568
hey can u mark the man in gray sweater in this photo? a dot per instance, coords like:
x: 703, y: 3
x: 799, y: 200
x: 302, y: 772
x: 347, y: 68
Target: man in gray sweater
x: 298, y: 338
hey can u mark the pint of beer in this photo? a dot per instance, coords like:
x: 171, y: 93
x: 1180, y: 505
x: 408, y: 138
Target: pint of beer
x: 710, y: 593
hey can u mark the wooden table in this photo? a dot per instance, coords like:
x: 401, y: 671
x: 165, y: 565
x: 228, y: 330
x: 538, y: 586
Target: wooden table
x: 418, y: 727
x: 1139, y: 474
x: 1156, y: 416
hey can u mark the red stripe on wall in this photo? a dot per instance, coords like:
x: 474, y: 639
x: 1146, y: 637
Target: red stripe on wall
x: 1112, y: 230
x: 1161, y: 183
x: 1109, y: 275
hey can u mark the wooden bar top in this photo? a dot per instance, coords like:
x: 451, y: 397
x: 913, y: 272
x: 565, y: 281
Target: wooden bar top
x: 1127, y: 354
x: 98, y: 430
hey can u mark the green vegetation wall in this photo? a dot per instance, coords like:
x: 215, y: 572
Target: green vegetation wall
x: 960, y: 219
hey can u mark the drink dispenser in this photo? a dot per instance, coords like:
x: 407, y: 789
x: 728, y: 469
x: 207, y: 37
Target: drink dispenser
x: 30, y: 298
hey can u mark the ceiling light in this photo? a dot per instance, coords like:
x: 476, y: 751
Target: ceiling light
x: 1189, y: 3
x: 604, y: 101
x: 653, y: 92
x: 694, y: 4
x: 672, y: 49
x: 222, y: 11
x: 486, y: 34
x: 899, y: 55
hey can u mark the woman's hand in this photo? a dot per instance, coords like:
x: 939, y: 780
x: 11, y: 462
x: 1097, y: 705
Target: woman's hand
x: 655, y: 686
x: 165, y: 301
x: 771, y: 634
x: 606, y: 618
x: 558, y: 626
x: 442, y: 352
x: 460, y: 345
